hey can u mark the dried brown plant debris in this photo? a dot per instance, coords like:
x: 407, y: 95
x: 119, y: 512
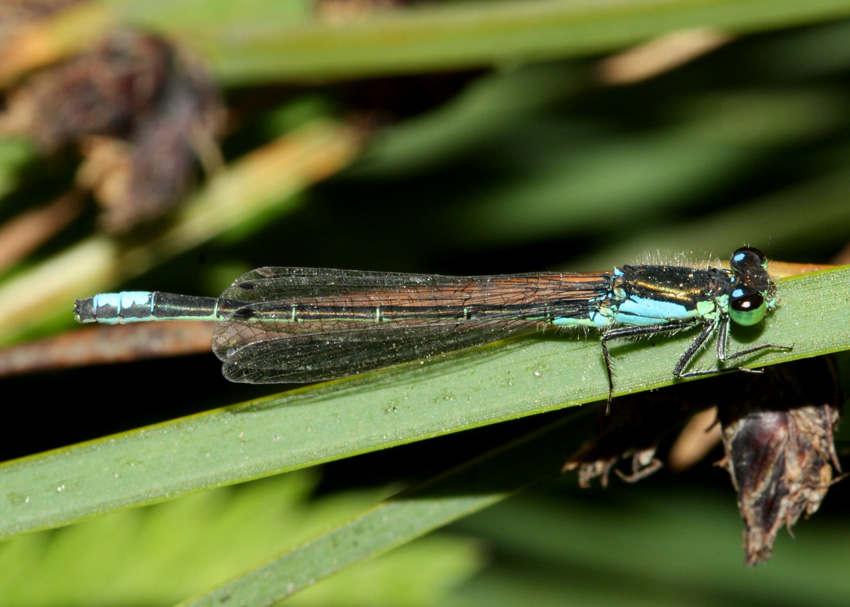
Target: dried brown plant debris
x: 777, y: 433
x: 633, y: 431
x: 780, y: 451
x: 141, y: 113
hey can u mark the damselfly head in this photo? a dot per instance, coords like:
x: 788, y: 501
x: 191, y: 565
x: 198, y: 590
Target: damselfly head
x: 754, y: 293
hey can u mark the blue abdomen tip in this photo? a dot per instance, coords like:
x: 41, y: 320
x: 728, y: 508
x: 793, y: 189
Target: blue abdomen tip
x: 126, y: 306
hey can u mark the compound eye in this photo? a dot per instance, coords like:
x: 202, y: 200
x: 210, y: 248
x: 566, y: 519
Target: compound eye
x: 748, y: 254
x: 748, y: 310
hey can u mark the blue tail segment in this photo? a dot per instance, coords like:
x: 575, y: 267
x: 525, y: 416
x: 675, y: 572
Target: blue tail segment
x: 142, y: 306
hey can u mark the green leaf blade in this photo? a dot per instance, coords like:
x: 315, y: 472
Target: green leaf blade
x: 340, y: 419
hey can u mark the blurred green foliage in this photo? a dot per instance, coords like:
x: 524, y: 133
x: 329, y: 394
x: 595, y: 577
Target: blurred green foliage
x: 506, y: 165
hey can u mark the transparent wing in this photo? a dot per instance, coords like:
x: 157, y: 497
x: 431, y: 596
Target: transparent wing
x: 303, y: 324
x: 270, y: 283
x: 268, y: 356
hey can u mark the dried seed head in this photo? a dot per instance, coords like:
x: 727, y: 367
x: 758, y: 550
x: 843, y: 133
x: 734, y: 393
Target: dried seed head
x: 780, y: 451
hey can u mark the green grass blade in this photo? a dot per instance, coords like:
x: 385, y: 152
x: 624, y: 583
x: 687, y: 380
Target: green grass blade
x: 468, y: 488
x: 339, y: 419
x: 250, y: 47
x: 207, y: 538
x: 274, y: 41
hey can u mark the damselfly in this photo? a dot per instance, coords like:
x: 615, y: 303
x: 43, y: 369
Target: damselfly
x: 279, y: 325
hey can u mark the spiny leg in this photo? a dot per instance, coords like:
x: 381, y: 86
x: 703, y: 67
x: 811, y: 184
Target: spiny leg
x: 722, y: 326
x: 722, y: 341
x: 698, y: 343
x: 632, y: 331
